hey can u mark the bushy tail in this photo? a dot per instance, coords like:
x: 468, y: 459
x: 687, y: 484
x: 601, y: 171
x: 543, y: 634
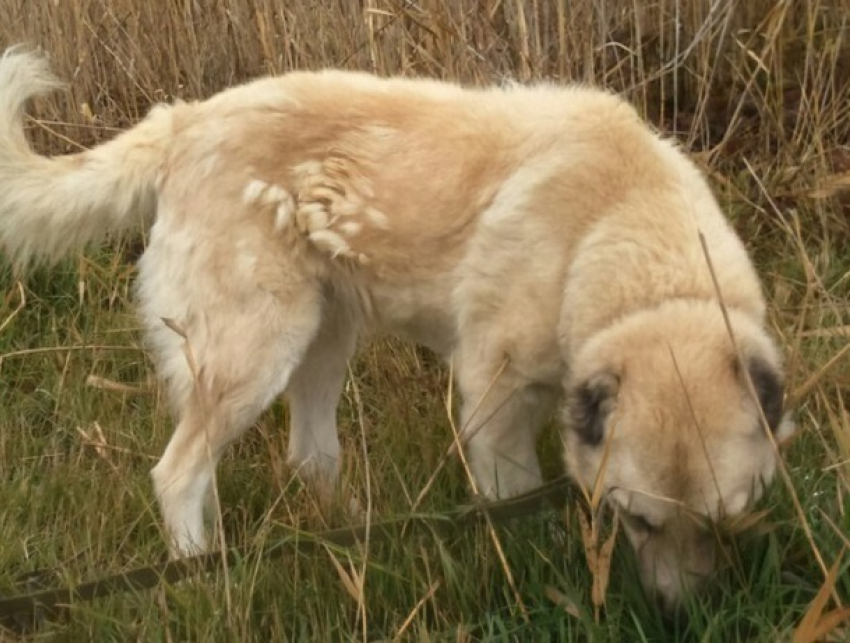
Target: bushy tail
x: 51, y: 206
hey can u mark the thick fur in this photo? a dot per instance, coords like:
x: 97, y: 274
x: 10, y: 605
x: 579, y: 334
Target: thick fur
x: 541, y: 238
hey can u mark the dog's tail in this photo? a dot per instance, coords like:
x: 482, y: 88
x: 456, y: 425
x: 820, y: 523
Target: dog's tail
x: 51, y: 206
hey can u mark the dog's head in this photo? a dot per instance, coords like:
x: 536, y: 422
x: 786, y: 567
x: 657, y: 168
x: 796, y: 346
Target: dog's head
x: 660, y: 413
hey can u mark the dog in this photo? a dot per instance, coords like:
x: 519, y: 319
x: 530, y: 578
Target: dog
x: 543, y: 239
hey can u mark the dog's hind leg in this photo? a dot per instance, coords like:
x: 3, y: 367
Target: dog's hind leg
x: 238, y: 360
x: 313, y: 395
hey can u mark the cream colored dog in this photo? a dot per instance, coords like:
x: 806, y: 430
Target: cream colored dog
x: 541, y: 238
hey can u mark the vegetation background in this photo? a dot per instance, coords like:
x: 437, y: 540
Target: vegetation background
x: 757, y: 91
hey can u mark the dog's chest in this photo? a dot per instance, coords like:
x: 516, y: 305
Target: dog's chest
x: 420, y: 313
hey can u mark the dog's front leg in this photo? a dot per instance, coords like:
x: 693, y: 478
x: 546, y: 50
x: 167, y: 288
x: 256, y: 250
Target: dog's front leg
x: 500, y: 422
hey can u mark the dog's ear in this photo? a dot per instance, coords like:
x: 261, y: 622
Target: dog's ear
x: 770, y: 391
x: 589, y: 404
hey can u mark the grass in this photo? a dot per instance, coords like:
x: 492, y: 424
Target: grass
x: 758, y: 92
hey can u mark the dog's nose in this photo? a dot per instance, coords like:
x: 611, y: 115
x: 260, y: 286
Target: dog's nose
x: 673, y: 577
x: 672, y: 593
x: 703, y: 561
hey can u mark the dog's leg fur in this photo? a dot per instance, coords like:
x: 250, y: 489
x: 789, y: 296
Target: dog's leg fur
x: 313, y: 395
x: 224, y: 401
x: 501, y: 418
x: 224, y: 362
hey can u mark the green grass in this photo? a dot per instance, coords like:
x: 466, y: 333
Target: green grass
x: 761, y: 99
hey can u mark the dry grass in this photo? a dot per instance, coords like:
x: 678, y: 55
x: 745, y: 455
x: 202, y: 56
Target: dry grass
x: 758, y: 91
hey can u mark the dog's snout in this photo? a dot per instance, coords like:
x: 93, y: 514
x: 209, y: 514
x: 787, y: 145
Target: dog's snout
x: 671, y: 573
x: 673, y: 587
x: 703, y: 561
